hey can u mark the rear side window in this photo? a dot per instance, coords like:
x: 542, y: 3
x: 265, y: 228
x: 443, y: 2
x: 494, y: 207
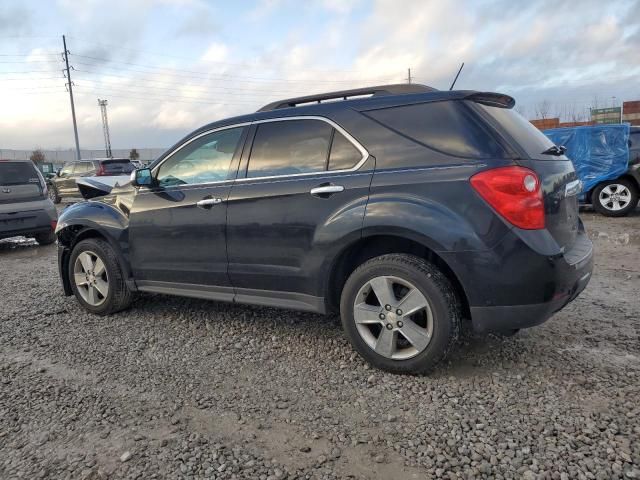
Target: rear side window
x: 118, y: 167
x: 449, y: 127
x: 344, y: 155
x: 18, y: 173
x: 289, y: 147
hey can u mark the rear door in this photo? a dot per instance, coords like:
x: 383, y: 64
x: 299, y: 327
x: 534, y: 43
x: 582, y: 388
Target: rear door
x: 284, y: 207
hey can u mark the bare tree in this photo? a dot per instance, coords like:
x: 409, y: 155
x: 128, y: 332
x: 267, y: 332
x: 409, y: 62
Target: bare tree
x: 133, y: 154
x: 37, y: 156
x: 522, y: 110
x: 542, y: 109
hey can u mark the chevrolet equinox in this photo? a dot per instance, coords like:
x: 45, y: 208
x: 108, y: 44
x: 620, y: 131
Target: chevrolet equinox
x: 410, y: 211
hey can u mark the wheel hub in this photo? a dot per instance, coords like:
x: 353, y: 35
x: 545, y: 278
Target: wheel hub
x: 395, y: 318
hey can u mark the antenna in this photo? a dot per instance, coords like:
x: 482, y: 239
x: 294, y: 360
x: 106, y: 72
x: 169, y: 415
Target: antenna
x: 457, y: 75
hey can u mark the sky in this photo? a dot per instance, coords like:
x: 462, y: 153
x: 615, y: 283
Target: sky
x: 167, y: 67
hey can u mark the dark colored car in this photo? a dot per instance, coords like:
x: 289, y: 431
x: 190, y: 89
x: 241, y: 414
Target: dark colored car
x: 619, y: 196
x: 410, y: 211
x: 63, y: 185
x: 25, y: 209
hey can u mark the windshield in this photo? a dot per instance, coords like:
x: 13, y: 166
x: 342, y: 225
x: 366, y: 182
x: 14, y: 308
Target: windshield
x: 18, y: 173
x: 528, y: 137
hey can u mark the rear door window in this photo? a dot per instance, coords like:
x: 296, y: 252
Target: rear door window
x: 289, y: 147
x: 18, y: 173
x: 449, y: 127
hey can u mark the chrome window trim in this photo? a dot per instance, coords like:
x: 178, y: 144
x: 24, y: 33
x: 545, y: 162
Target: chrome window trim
x: 363, y: 151
x: 177, y: 149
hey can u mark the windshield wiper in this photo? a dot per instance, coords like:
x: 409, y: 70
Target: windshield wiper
x: 555, y: 150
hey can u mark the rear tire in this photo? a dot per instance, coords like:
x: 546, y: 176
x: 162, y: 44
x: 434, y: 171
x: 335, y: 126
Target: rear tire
x: 45, y: 238
x: 53, y: 194
x: 96, y: 278
x: 615, y: 198
x: 411, y: 341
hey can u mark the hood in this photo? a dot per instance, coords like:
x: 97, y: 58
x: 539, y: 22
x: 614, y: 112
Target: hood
x: 116, y: 191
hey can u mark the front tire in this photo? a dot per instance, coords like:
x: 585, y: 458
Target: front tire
x: 400, y: 313
x: 96, y: 278
x: 615, y: 198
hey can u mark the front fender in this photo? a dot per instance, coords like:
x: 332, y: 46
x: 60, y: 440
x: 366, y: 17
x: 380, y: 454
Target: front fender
x: 90, y: 218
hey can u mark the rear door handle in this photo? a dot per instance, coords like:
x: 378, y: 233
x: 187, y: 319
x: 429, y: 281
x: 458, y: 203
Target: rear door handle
x: 326, y: 190
x: 208, y: 202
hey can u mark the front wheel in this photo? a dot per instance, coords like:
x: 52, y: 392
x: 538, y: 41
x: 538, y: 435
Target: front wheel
x: 400, y: 313
x: 96, y: 278
x: 615, y: 198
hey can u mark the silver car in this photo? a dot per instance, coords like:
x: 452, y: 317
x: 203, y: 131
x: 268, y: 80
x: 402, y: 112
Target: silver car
x: 25, y: 208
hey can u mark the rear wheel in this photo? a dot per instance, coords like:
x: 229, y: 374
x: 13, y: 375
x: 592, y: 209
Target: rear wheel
x: 45, y: 238
x: 400, y: 313
x: 615, y: 198
x: 96, y: 278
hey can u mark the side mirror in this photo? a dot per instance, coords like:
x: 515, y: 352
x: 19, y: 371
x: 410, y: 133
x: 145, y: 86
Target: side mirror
x: 142, y: 177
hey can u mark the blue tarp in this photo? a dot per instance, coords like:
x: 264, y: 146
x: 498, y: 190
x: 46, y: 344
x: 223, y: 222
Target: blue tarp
x: 598, y: 152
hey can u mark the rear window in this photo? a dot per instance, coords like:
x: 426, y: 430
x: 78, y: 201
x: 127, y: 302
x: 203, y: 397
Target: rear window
x: 528, y: 137
x: 18, y: 173
x: 118, y: 167
x: 448, y: 127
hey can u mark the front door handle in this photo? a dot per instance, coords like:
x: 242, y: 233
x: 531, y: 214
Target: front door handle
x: 208, y: 202
x: 326, y: 190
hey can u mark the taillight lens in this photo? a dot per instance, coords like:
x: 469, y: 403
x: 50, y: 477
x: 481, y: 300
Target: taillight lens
x: 515, y: 193
x: 54, y: 224
x: 101, y: 171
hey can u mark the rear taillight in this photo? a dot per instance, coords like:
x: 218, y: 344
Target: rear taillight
x: 54, y: 224
x: 101, y: 171
x: 515, y: 193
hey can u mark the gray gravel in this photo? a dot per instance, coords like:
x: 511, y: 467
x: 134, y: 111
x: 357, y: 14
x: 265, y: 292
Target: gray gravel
x: 178, y: 388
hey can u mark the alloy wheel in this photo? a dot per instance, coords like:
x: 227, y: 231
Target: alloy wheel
x: 91, y: 279
x: 393, y: 317
x: 615, y: 197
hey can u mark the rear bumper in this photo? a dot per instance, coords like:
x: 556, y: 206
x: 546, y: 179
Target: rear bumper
x: 26, y: 223
x: 515, y: 286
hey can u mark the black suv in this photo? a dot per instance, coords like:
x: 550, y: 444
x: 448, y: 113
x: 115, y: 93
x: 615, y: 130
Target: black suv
x: 410, y: 211
x: 63, y: 184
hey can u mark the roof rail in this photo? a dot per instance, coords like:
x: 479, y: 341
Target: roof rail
x: 395, y: 89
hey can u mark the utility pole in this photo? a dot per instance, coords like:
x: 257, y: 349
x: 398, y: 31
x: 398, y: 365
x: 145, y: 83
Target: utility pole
x: 70, y: 85
x: 408, y: 75
x: 105, y: 127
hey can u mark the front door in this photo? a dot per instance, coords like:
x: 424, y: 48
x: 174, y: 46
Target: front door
x: 177, y: 227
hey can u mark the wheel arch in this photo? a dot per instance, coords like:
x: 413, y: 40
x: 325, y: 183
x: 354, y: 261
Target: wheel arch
x: 374, y: 245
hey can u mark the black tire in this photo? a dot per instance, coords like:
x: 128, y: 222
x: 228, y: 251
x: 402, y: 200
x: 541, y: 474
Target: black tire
x: 118, y: 296
x: 605, y: 209
x: 45, y: 238
x: 436, y: 288
x: 53, y: 194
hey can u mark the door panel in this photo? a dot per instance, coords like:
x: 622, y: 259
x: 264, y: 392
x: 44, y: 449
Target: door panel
x: 178, y: 228
x: 279, y: 232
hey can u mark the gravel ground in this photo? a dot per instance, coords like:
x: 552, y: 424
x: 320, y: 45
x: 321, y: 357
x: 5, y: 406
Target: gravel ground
x: 177, y: 388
